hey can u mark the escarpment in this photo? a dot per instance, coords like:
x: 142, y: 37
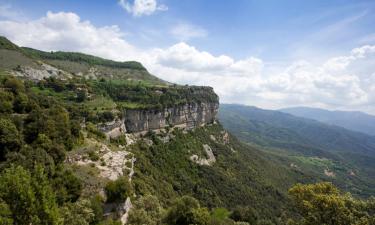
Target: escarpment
x: 200, y: 109
x: 189, y: 115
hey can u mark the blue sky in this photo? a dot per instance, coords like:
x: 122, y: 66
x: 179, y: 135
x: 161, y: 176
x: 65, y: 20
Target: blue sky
x: 271, y: 29
x: 275, y: 47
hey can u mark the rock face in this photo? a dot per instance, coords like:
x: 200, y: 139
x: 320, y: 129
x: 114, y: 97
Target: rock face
x: 187, y: 116
x: 113, y: 129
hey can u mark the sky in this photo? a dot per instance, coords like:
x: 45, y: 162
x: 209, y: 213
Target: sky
x: 267, y: 53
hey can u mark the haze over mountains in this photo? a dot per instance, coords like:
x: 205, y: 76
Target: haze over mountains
x: 352, y: 120
x: 308, y: 142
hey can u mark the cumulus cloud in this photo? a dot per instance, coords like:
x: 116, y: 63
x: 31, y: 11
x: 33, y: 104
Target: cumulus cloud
x: 186, y: 31
x: 142, y: 7
x: 67, y: 32
x: 342, y: 82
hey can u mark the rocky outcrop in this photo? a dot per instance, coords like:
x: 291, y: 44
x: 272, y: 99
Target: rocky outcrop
x: 187, y: 116
x: 113, y: 129
x: 204, y: 161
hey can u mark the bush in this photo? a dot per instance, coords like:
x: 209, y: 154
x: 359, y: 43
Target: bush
x: 119, y: 190
x: 185, y: 211
x: 244, y: 214
x: 9, y: 138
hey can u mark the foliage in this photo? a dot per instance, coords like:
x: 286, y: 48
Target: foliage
x: 82, y: 58
x: 78, y: 213
x: 142, y: 95
x: 245, y: 214
x: 118, y: 190
x: 10, y: 139
x: 29, y: 196
x: 146, y: 210
x: 308, y: 146
x: 185, y: 211
x: 322, y: 203
x: 5, y: 214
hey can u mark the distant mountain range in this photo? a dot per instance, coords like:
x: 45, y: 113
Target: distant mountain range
x: 352, y: 120
x: 311, y: 145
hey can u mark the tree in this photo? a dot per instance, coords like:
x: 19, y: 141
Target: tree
x: 78, y: 213
x: 6, y: 101
x: 146, y: 210
x: 185, y: 211
x: 67, y: 186
x: 5, y: 214
x: 10, y: 139
x: 14, y: 84
x: 118, y: 190
x: 322, y: 203
x: 244, y: 214
x: 30, y: 197
x: 81, y: 95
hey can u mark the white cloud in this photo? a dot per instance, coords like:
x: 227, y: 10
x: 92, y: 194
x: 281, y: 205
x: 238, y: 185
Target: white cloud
x: 66, y: 32
x: 186, y: 31
x: 184, y: 56
x: 343, y: 82
x: 142, y: 7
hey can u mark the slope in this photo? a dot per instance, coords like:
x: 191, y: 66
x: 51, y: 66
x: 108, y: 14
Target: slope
x: 327, y: 151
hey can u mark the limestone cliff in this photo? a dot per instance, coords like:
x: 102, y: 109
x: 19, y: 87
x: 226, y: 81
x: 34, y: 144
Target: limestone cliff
x: 187, y: 115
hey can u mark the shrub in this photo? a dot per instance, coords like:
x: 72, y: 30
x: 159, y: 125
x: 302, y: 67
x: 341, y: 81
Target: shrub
x: 119, y: 190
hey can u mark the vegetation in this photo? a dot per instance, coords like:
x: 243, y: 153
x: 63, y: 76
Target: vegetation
x: 322, y: 203
x: 326, y: 152
x: 117, y: 191
x: 45, y: 124
x: 82, y: 58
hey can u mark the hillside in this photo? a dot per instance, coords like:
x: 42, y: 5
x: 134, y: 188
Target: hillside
x: 37, y: 64
x: 100, y: 147
x: 329, y: 152
x: 356, y: 121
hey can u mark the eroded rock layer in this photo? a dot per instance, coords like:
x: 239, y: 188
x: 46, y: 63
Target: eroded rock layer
x: 187, y: 116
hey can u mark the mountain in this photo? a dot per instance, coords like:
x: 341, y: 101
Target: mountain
x: 325, y: 150
x: 352, y: 120
x: 85, y: 140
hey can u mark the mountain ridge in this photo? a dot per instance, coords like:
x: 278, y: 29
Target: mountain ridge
x: 352, y: 120
x: 309, y: 144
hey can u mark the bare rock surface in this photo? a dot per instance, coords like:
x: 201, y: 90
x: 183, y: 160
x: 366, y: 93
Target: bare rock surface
x: 187, y: 116
x: 204, y: 161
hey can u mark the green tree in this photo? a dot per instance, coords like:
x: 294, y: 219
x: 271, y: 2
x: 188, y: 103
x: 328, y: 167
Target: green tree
x: 10, y: 139
x: 118, y: 190
x: 5, y: 214
x: 244, y: 214
x: 68, y: 187
x: 322, y: 203
x: 78, y: 213
x: 30, y: 198
x: 6, y: 101
x: 146, y: 210
x: 185, y: 211
x: 14, y: 84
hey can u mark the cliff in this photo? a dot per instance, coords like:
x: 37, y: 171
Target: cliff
x: 188, y: 116
x: 157, y: 108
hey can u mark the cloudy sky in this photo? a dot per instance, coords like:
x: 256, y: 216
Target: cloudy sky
x: 267, y: 53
